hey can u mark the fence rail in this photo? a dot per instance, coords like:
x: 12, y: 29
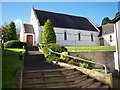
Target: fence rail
x: 81, y: 59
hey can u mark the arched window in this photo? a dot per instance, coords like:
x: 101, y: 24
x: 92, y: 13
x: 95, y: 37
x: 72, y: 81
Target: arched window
x: 79, y: 36
x: 65, y: 35
x: 91, y: 37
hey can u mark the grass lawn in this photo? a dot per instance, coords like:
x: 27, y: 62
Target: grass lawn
x: 91, y: 48
x: 10, y: 64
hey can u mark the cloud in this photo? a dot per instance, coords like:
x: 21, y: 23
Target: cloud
x: 18, y: 25
x: 17, y: 21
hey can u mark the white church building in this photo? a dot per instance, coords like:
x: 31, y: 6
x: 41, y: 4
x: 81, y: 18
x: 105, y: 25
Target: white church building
x: 69, y: 29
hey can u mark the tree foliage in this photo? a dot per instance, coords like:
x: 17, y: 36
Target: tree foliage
x: 117, y: 14
x: 4, y: 30
x: 105, y: 20
x: 11, y: 32
x: 48, y: 35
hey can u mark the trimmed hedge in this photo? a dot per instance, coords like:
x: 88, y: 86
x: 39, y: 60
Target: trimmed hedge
x: 15, y: 44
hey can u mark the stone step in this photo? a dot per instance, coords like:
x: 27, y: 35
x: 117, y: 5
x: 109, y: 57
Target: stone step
x: 32, y: 76
x: 74, y: 86
x: 76, y: 80
x: 68, y: 70
x: 94, y: 85
x: 32, y: 48
x: 59, y: 78
x: 33, y: 81
x: 53, y: 70
x: 86, y: 82
x: 55, y: 82
x: 72, y: 74
x: 106, y: 87
x: 33, y: 86
x: 35, y: 57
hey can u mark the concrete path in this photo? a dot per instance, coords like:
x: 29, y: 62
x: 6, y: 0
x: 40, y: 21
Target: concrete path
x: 35, y: 60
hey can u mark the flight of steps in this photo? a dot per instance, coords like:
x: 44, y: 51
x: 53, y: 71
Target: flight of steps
x: 59, y: 78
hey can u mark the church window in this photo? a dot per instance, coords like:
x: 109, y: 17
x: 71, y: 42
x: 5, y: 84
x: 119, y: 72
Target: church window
x: 79, y: 36
x: 91, y: 37
x: 65, y: 35
x: 110, y: 38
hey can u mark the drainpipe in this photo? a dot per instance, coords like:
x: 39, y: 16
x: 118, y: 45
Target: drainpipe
x: 117, y: 50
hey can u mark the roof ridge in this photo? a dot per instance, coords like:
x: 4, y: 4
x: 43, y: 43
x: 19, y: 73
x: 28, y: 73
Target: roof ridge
x: 61, y: 13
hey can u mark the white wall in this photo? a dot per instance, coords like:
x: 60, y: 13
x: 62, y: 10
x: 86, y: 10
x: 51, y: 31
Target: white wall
x: 117, y: 31
x: 34, y: 21
x: 72, y: 37
x: 107, y: 39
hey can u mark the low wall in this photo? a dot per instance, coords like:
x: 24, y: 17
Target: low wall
x: 105, y: 78
x: 106, y: 58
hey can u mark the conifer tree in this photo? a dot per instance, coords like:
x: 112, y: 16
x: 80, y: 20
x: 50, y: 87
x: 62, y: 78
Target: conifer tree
x: 48, y: 35
x: 11, y: 32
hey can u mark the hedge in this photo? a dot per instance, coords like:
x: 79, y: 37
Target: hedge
x: 14, y: 44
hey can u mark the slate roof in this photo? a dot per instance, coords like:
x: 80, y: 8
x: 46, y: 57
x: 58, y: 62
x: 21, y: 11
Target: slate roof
x: 64, y: 21
x: 28, y: 28
x: 108, y: 28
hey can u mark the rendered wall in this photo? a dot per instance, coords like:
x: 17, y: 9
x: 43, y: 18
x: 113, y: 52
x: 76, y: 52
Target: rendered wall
x: 72, y: 37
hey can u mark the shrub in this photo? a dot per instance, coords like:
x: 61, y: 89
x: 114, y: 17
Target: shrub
x: 54, y: 47
x: 50, y: 56
x: 48, y: 35
x: 15, y: 44
x: 73, y: 62
x: 86, y: 64
x: 64, y: 58
x: 100, y: 70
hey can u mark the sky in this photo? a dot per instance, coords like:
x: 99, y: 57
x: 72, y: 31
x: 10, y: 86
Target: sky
x: 95, y: 11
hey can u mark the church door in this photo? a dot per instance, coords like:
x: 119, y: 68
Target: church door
x: 29, y: 40
x: 101, y: 41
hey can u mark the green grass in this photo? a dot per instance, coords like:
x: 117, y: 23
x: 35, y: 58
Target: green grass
x: 91, y: 48
x: 10, y: 64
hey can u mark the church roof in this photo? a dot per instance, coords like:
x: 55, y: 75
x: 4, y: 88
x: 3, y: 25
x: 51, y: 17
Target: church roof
x: 108, y: 28
x: 64, y: 21
x: 28, y: 28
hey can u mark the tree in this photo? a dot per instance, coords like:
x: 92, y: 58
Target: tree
x: 105, y: 20
x: 4, y: 29
x: 11, y: 32
x: 117, y: 14
x: 48, y: 35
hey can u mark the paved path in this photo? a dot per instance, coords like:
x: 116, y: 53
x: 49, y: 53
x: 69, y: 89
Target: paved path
x: 36, y: 61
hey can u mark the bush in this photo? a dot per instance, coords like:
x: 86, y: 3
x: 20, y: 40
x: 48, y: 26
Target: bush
x: 86, y: 64
x: 64, y: 58
x: 73, y: 62
x: 51, y: 58
x: 100, y: 70
x: 55, y: 47
x: 15, y: 44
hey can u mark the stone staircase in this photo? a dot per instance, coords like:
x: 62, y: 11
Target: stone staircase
x: 39, y: 74
x: 59, y: 78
